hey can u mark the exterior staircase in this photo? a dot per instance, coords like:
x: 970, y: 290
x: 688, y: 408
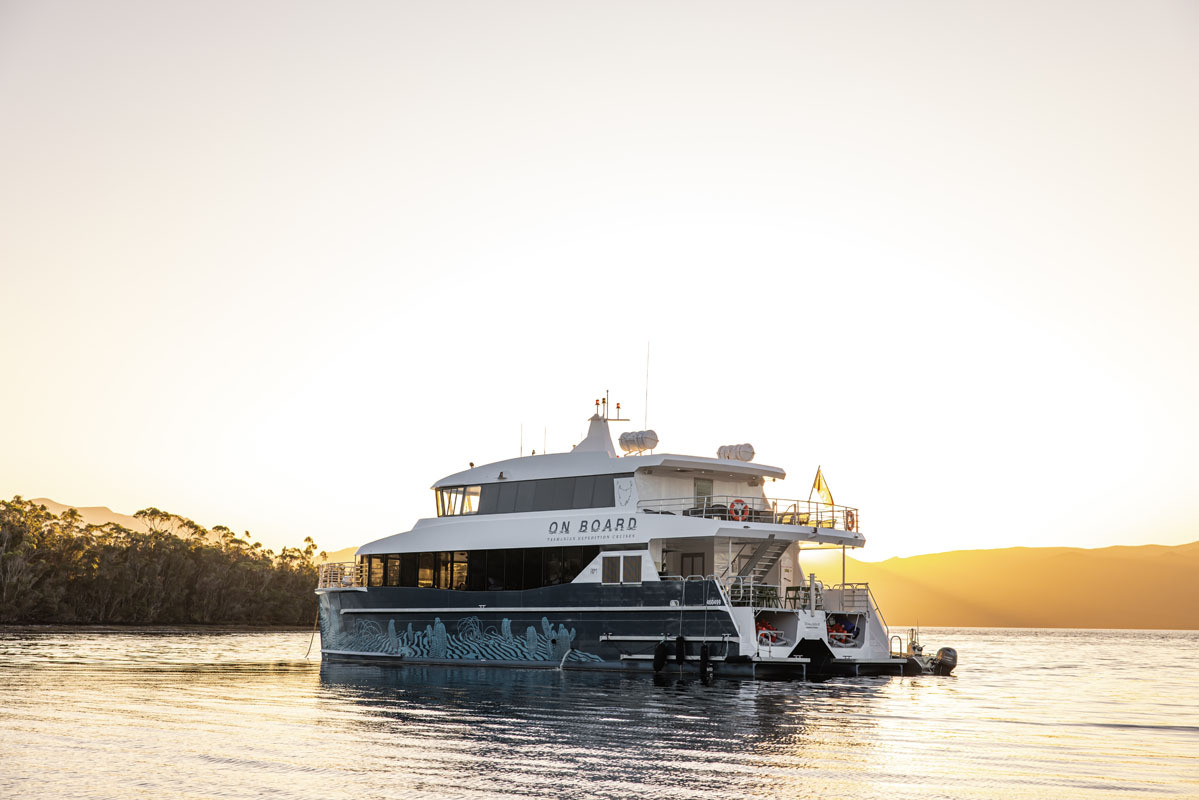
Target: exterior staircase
x: 759, y: 563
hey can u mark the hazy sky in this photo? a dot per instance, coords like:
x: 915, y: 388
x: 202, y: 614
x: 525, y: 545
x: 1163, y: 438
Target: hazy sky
x: 282, y: 265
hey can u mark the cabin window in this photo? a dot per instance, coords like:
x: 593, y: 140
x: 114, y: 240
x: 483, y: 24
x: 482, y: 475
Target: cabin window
x: 553, y: 567
x: 495, y: 569
x: 375, y: 577
x: 476, y: 570
x: 485, y: 570
x: 409, y: 569
x: 391, y: 573
x: 425, y: 575
x: 632, y: 569
x: 534, y: 563
x: 514, y: 568
x: 693, y: 564
x: 703, y: 487
x: 611, y: 571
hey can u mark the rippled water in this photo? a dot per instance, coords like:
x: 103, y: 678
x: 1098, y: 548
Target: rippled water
x: 1030, y: 714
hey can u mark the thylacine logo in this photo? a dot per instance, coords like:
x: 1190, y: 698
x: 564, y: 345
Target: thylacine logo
x: 596, y: 525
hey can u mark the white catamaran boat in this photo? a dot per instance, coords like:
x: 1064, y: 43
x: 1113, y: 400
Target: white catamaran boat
x: 590, y: 560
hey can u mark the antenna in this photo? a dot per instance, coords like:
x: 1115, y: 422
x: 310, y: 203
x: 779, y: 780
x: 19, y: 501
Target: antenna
x: 645, y: 422
x: 606, y: 417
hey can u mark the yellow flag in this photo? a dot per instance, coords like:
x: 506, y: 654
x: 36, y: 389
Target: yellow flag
x: 820, y: 487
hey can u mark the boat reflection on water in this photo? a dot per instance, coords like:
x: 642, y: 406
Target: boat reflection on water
x: 610, y: 734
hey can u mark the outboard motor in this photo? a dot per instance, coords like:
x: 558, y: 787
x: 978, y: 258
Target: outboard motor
x: 947, y: 659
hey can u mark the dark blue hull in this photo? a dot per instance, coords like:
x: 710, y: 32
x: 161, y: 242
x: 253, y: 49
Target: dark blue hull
x: 570, y: 626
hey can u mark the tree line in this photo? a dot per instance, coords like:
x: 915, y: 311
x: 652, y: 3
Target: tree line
x: 59, y: 569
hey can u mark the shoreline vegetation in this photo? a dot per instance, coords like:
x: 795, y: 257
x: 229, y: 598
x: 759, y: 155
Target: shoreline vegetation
x: 57, y: 569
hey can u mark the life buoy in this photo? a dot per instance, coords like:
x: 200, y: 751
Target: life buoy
x: 851, y: 520
x: 739, y: 510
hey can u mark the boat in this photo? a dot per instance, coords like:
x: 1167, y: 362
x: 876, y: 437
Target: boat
x: 639, y: 561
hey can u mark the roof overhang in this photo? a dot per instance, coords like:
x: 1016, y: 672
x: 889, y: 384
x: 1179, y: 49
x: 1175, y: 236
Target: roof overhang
x: 564, y: 465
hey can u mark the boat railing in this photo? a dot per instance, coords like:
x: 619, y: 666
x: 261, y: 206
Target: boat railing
x: 811, y: 513
x: 341, y: 575
x: 743, y: 590
x: 693, y: 594
x: 850, y: 598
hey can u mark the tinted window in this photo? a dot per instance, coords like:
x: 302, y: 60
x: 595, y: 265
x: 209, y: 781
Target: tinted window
x: 543, y: 497
x: 425, y: 573
x: 514, y: 569
x: 533, y: 564
x: 476, y: 571
x: 489, y: 498
x: 524, y: 495
x: 409, y: 569
x: 507, y: 502
x: 584, y: 487
x: 495, y: 568
x: 552, y: 559
x: 605, y: 492
x: 564, y: 492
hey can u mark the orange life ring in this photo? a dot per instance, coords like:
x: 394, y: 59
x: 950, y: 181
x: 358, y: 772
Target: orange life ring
x: 739, y: 510
x: 851, y: 520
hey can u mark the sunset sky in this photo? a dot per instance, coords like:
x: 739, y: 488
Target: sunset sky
x: 282, y: 265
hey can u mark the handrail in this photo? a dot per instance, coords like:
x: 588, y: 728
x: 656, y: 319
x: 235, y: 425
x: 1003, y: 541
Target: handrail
x: 811, y: 513
x: 341, y: 575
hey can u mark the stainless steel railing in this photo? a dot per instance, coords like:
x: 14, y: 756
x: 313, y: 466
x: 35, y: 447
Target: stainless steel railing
x: 341, y: 575
x: 757, y: 509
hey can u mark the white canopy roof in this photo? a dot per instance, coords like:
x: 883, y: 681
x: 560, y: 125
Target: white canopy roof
x: 595, y: 455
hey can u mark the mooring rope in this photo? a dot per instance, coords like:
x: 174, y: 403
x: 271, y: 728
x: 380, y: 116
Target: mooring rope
x: 316, y: 620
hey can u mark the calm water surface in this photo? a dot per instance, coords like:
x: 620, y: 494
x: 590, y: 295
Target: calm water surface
x: 1030, y: 714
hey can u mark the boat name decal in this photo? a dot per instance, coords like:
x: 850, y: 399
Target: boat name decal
x: 595, y: 525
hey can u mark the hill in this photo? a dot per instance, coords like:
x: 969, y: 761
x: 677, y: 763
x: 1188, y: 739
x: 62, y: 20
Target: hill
x: 1146, y: 586
x: 94, y: 515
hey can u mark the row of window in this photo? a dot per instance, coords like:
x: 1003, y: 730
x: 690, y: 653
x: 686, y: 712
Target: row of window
x: 482, y: 570
x: 546, y: 494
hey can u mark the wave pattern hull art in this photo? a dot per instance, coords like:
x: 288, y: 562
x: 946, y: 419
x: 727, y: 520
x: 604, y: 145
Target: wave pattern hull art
x: 470, y: 642
x: 639, y: 562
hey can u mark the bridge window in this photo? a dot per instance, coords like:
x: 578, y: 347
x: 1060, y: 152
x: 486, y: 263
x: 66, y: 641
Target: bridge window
x: 546, y: 494
x: 453, y: 501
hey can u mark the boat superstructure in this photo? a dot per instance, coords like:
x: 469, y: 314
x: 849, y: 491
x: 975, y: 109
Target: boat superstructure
x: 594, y: 560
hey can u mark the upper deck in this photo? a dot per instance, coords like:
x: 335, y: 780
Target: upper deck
x: 591, y: 495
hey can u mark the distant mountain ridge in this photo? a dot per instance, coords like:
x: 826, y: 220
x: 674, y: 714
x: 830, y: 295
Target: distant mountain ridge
x: 93, y: 515
x: 1141, y: 586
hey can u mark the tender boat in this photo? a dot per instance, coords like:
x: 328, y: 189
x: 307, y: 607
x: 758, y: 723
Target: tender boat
x: 594, y: 560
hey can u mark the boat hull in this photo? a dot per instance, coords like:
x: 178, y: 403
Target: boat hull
x: 570, y: 626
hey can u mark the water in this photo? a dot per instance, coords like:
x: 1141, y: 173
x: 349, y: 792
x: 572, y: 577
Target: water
x: 1030, y: 714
